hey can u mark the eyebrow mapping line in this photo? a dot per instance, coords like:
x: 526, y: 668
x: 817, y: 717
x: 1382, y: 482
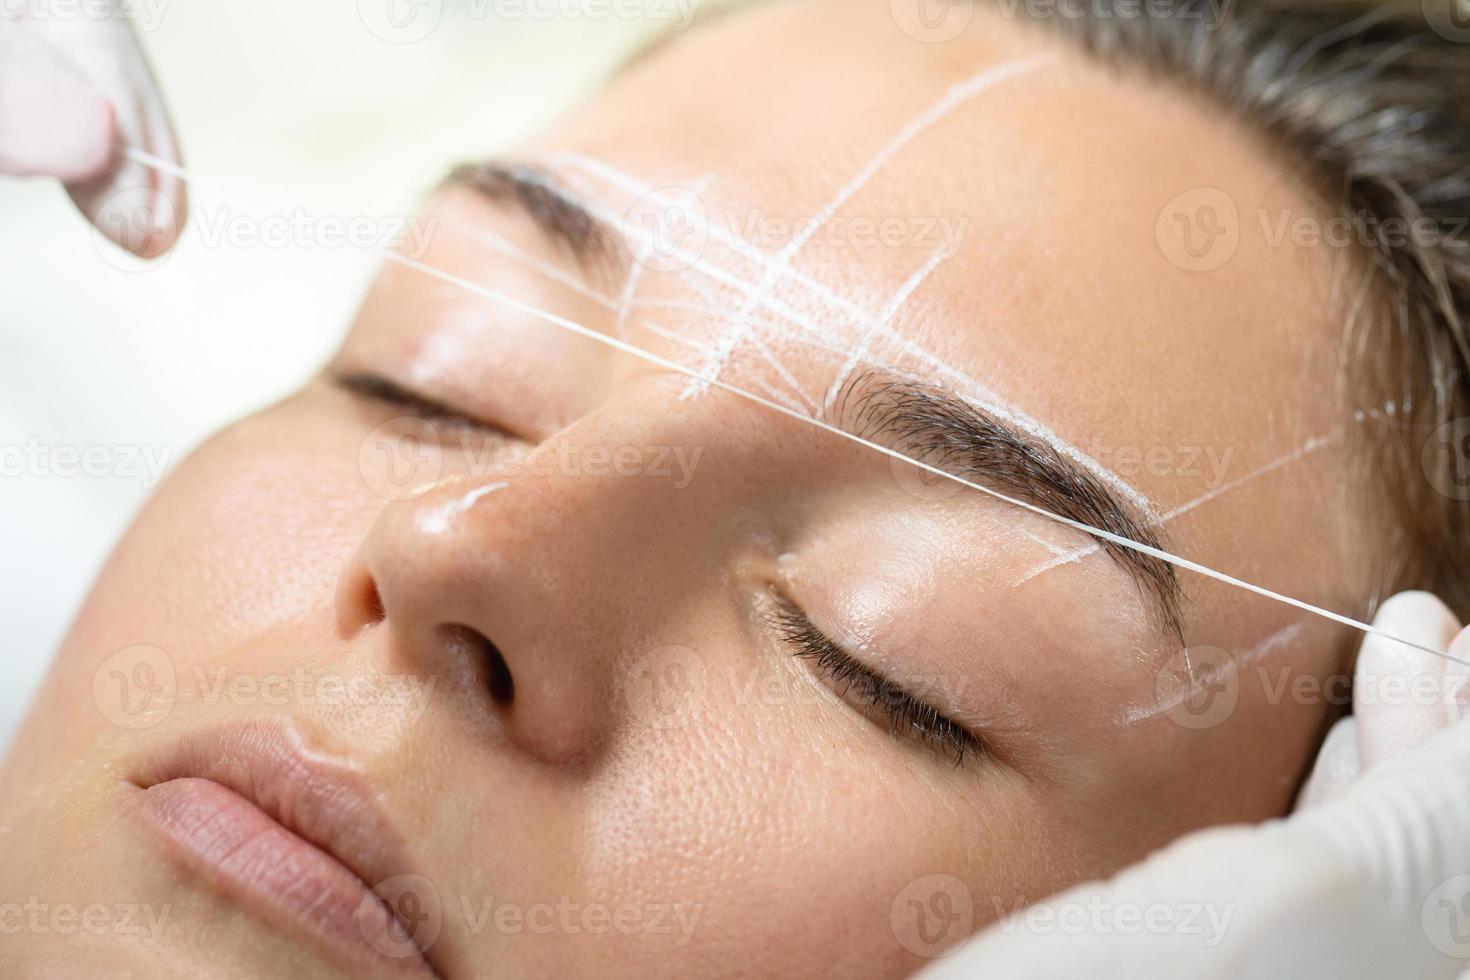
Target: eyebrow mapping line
x: 512, y: 251
x: 630, y: 288
x: 1077, y: 554
x: 713, y: 312
x: 610, y: 220
x: 704, y: 348
x: 617, y: 343
x: 969, y: 387
x: 553, y: 191
x: 1269, y: 645
x: 860, y: 349
x: 629, y: 295
x: 1311, y: 446
x: 957, y: 96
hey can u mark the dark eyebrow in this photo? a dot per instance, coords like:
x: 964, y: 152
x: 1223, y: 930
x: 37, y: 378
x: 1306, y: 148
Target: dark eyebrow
x: 558, y: 215
x: 943, y: 431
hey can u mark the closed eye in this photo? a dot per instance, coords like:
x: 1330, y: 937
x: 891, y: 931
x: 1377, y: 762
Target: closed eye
x: 376, y: 388
x: 857, y: 683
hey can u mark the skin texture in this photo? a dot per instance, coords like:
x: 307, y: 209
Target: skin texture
x: 662, y: 746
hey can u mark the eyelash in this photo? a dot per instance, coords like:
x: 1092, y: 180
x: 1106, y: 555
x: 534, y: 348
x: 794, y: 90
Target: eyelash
x: 908, y: 717
x: 384, y: 391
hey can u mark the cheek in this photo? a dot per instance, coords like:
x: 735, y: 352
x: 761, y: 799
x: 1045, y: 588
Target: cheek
x: 249, y: 532
x: 778, y: 813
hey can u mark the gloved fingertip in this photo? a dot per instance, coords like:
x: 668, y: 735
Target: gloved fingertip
x: 1457, y: 677
x: 1337, y: 765
x: 136, y: 220
x: 53, y: 123
x: 1398, y: 690
x: 1418, y: 617
x: 172, y: 210
x: 137, y: 208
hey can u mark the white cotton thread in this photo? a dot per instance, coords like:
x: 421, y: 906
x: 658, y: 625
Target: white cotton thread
x: 1312, y: 445
x: 633, y: 350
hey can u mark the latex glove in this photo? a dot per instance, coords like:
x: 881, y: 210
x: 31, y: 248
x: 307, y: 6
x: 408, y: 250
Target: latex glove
x: 74, y: 89
x: 1369, y: 878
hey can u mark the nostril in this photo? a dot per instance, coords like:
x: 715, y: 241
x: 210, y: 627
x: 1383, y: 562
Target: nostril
x: 372, y: 601
x: 502, y: 685
x: 488, y: 661
x: 359, y: 605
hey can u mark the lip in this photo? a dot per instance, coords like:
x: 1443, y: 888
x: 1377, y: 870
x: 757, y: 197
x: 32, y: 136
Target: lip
x: 292, y: 836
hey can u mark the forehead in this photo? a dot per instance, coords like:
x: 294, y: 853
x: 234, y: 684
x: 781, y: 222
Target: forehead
x: 1066, y: 212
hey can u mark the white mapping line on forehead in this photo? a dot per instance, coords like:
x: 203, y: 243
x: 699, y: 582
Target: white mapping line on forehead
x: 767, y: 355
x: 640, y: 261
x: 782, y: 371
x: 617, y: 343
x: 757, y: 381
x: 1077, y: 554
x: 645, y: 249
x: 698, y: 345
x: 1282, y: 637
x: 630, y: 288
x: 836, y: 349
x: 537, y: 264
x: 966, y: 387
x: 623, y: 304
x: 957, y: 96
x: 1051, y: 546
x: 762, y: 321
x: 860, y: 349
x: 775, y: 268
x: 802, y: 399
x: 1311, y: 446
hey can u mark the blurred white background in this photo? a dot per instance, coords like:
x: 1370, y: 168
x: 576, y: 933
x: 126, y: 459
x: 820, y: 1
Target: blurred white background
x: 301, y: 100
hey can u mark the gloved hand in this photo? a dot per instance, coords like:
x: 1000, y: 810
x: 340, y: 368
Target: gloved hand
x: 1370, y: 877
x: 74, y: 89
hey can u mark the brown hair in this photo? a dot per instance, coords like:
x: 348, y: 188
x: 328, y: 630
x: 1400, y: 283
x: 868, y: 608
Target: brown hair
x: 1375, y: 102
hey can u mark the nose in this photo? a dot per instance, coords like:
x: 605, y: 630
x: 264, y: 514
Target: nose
x: 498, y: 589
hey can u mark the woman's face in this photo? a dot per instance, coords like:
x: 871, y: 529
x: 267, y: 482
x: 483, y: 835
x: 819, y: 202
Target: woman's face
x: 587, y: 667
